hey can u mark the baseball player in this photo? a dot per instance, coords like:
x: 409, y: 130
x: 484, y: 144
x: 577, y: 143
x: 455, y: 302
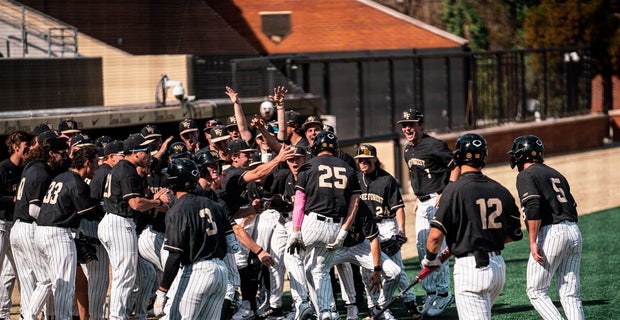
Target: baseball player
x: 197, y: 236
x: 98, y: 271
x: 476, y: 216
x: 326, y: 201
x: 18, y: 144
x: 361, y: 247
x: 44, y: 162
x: 123, y: 200
x: 430, y: 167
x: 380, y: 192
x: 66, y: 202
x: 551, y: 219
x: 188, y: 131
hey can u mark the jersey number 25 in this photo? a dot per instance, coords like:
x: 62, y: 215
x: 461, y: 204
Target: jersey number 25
x: 338, y: 175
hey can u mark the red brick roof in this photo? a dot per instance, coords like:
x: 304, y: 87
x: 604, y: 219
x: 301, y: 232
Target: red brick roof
x: 217, y: 27
x: 344, y: 25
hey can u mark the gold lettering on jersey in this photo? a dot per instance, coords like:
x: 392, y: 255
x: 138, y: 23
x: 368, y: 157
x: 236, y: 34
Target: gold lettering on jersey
x: 371, y: 197
x: 415, y: 162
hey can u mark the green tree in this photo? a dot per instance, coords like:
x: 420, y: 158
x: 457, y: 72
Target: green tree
x: 594, y: 24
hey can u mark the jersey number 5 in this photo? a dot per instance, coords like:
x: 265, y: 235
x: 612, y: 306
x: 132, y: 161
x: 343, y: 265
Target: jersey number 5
x: 338, y: 174
x: 488, y: 219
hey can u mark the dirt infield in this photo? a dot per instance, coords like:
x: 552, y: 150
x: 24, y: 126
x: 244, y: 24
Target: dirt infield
x: 593, y: 175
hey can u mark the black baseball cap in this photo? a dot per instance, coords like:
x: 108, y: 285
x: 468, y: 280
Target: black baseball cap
x: 103, y: 141
x: 232, y: 122
x: 50, y: 134
x: 150, y: 131
x: 365, y: 151
x: 68, y: 126
x: 210, y: 124
x: 294, y: 118
x: 312, y: 120
x: 136, y: 142
x: 81, y: 140
x: 239, y: 146
x: 40, y: 128
x: 219, y: 133
x: 255, y: 159
x: 411, y: 116
x: 113, y: 147
x: 187, y: 125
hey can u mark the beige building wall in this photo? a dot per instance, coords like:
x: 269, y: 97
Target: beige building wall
x: 131, y: 80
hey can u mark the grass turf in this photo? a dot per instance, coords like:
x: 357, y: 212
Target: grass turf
x: 600, y: 279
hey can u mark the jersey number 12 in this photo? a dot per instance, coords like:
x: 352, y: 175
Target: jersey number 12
x: 488, y: 219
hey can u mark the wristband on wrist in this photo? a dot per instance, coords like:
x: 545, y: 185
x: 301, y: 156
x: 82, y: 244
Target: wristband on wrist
x: 259, y: 251
x: 161, y: 203
x: 378, y: 268
x: 430, y: 255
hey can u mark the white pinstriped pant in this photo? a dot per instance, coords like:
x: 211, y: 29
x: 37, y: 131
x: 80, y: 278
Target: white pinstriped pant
x: 388, y: 228
x: 316, y: 235
x: 438, y: 281
x: 97, y: 272
x: 27, y: 260
x: 199, y: 290
x: 561, y: 244
x: 150, y: 270
x: 57, y: 248
x: 361, y: 255
x: 476, y: 289
x: 272, y: 236
x: 7, y: 265
x: 118, y: 237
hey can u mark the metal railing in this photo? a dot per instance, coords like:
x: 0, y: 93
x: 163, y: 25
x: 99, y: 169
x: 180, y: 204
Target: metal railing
x: 455, y: 90
x: 34, y: 29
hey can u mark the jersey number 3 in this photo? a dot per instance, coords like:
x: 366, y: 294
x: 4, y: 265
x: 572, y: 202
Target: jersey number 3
x: 488, y: 219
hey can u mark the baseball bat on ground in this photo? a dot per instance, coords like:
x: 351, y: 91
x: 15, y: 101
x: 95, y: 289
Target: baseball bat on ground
x: 442, y: 256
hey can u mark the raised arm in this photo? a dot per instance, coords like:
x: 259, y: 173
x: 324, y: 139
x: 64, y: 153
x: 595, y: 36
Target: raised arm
x: 242, y: 122
x: 278, y: 100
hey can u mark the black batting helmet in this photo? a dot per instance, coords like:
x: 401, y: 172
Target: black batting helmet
x: 528, y: 148
x: 471, y: 149
x: 325, y: 141
x: 178, y: 150
x: 206, y: 157
x: 182, y: 175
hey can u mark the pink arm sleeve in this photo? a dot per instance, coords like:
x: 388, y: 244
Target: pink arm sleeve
x: 298, y: 208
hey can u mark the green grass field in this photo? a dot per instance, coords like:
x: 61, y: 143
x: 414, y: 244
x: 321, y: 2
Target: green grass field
x: 600, y: 275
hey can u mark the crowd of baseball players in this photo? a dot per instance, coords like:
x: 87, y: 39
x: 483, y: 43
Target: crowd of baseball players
x: 208, y: 223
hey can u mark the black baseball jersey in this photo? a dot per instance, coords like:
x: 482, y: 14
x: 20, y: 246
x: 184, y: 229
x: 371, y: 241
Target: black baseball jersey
x: 36, y: 177
x: 157, y: 219
x: 552, y: 191
x: 97, y: 183
x: 122, y: 184
x: 428, y: 162
x: 328, y: 183
x: 200, y: 191
x: 477, y: 213
x: 381, y: 193
x: 196, y: 227
x: 66, y: 201
x: 10, y: 175
x: 363, y: 227
x: 234, y: 189
x: 97, y: 186
x: 280, y: 197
